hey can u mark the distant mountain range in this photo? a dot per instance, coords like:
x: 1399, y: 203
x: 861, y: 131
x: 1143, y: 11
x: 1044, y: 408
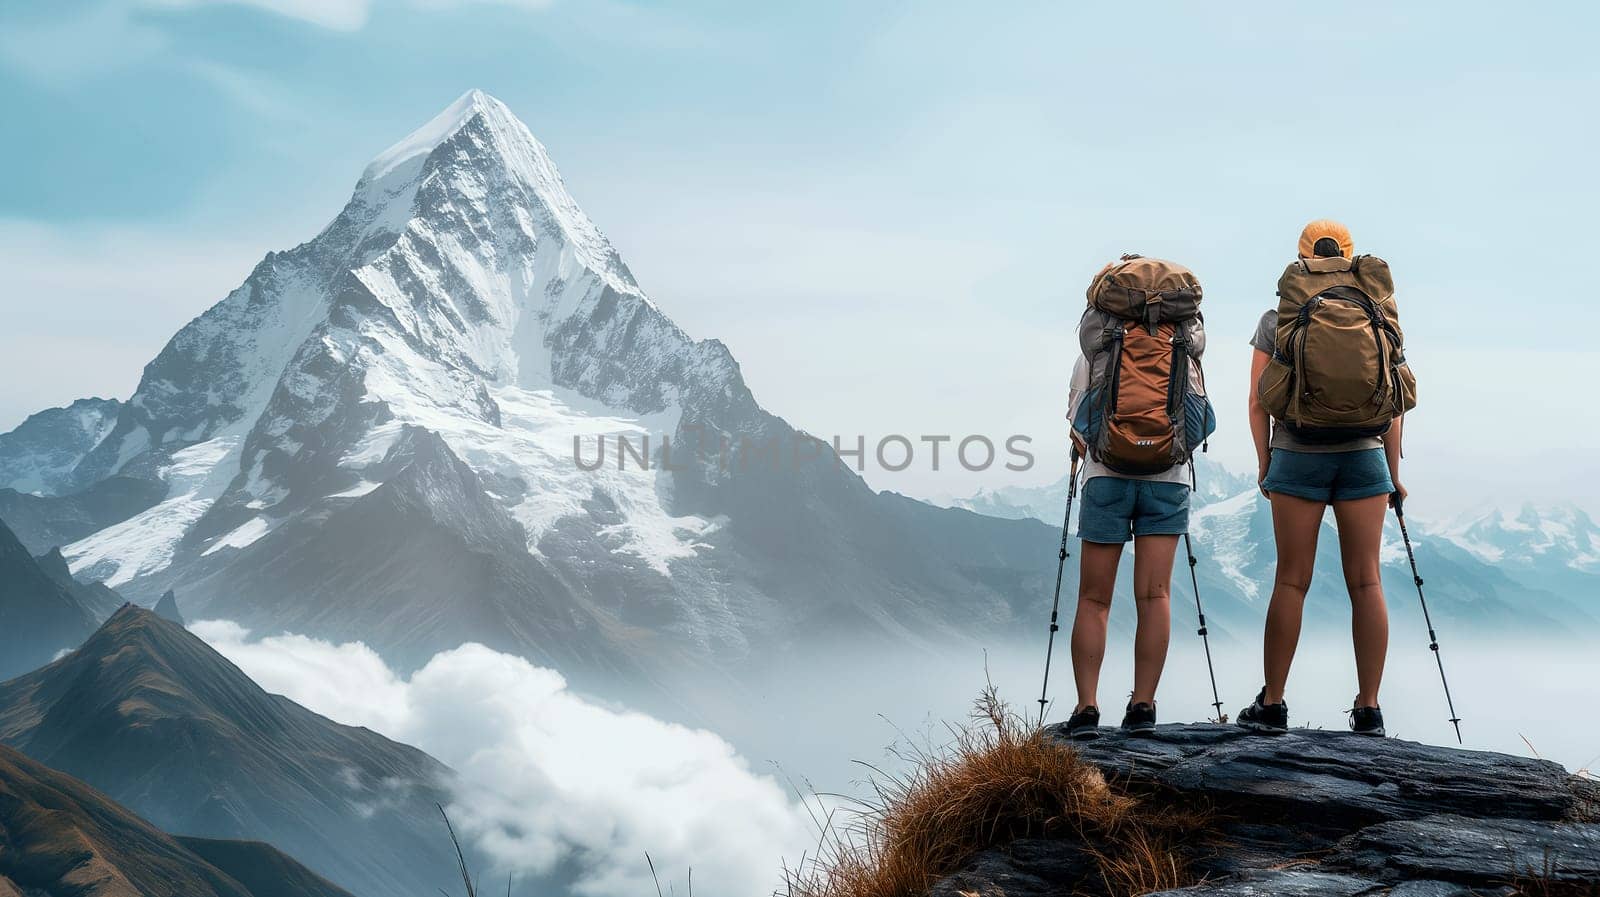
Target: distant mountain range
x: 61, y: 838
x: 160, y: 723
x: 1536, y: 572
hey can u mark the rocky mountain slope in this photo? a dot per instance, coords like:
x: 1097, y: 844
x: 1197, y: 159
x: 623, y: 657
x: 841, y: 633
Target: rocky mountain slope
x: 62, y: 838
x: 1326, y: 814
x: 41, y: 613
x: 42, y: 454
x: 152, y: 717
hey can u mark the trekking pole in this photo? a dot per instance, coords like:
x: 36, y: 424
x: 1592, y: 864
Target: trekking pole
x: 1433, y: 640
x: 1194, y: 580
x: 1061, y: 566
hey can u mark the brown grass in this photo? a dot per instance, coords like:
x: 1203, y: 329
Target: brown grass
x: 1000, y: 780
x: 1546, y: 880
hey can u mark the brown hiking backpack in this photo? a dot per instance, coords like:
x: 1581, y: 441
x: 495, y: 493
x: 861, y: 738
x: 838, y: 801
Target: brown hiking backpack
x: 1142, y: 335
x: 1149, y: 290
x: 1338, y: 368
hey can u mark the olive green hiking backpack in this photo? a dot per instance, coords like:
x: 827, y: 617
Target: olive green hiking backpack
x: 1338, y: 369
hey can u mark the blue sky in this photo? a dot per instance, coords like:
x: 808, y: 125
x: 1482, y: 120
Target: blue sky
x: 888, y: 211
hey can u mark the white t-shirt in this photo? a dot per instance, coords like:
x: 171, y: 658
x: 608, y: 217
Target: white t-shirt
x: 1177, y: 473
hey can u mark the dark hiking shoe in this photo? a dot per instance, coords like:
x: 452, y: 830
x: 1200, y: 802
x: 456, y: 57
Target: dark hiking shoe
x: 1084, y: 724
x: 1263, y: 717
x: 1367, y: 721
x: 1139, y: 718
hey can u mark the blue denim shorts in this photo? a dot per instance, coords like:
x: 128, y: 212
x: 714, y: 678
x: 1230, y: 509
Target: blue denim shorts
x: 1115, y: 510
x: 1329, y: 476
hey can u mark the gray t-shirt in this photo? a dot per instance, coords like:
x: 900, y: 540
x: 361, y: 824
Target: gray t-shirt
x: 1265, y: 340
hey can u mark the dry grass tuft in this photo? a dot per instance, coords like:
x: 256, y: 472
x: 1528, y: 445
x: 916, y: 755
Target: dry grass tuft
x: 1546, y: 880
x: 1000, y: 780
x: 1537, y: 885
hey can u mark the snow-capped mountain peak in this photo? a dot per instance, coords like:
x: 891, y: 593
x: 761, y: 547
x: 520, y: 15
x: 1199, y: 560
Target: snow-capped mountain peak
x: 461, y: 290
x: 479, y: 132
x: 437, y: 130
x: 376, y: 437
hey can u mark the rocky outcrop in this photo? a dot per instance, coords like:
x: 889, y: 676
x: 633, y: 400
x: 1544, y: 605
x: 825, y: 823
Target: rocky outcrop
x: 1330, y: 814
x: 167, y: 608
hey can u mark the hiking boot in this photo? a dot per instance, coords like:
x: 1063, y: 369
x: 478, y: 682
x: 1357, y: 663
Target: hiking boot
x: 1272, y: 719
x: 1084, y: 725
x: 1139, y: 718
x: 1367, y: 721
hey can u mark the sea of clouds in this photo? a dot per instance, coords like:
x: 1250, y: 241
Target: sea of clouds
x: 549, y: 782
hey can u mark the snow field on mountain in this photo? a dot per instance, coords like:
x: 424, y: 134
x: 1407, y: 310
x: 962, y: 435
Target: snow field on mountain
x: 143, y: 543
x: 1224, y: 528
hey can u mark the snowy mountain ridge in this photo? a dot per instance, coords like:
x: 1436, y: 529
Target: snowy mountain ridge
x: 1534, y: 534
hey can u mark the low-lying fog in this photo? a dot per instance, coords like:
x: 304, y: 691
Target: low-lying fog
x: 853, y: 707
x: 572, y: 790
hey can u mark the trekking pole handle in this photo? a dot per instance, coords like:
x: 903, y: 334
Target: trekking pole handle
x: 1397, y: 501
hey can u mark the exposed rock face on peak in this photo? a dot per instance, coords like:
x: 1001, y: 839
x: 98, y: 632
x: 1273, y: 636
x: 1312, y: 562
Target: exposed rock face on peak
x: 1326, y: 814
x: 167, y: 608
x: 158, y: 721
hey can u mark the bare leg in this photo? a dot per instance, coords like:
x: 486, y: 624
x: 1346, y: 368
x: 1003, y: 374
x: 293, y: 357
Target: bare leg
x: 1295, y: 522
x: 1152, y: 593
x: 1097, y: 577
x: 1360, y: 538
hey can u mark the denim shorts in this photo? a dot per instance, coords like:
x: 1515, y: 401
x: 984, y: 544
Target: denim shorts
x: 1115, y: 510
x: 1329, y: 476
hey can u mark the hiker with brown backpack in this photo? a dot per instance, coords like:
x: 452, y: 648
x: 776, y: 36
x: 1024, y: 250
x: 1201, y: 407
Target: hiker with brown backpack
x: 1138, y: 409
x: 1329, y: 388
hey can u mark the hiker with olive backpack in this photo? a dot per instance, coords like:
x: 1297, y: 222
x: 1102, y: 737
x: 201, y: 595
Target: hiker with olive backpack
x: 1138, y: 408
x: 1329, y: 390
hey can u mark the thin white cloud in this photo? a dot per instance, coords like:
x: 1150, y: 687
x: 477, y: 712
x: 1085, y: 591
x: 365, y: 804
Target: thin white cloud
x: 549, y: 779
x: 340, y: 15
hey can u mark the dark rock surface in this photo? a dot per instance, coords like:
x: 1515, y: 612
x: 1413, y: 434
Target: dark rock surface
x: 1456, y: 847
x: 167, y: 608
x: 1311, y: 883
x: 1283, y: 883
x: 1027, y: 868
x: 1329, y: 814
x: 1334, y: 779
